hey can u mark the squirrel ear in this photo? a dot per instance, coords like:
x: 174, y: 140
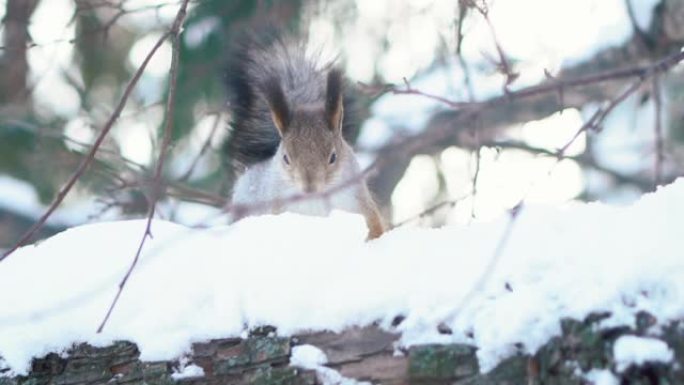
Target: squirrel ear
x: 280, y: 112
x: 334, y: 109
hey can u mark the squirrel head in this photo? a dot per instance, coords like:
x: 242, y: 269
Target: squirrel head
x: 312, y: 148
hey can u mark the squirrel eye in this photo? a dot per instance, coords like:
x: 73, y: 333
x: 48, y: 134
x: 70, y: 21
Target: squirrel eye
x: 333, y: 158
x: 286, y: 159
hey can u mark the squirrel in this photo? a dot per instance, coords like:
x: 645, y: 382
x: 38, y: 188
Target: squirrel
x: 290, y: 117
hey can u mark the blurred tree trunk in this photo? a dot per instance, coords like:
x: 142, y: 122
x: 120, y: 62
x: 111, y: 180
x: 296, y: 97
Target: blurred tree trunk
x: 14, y: 93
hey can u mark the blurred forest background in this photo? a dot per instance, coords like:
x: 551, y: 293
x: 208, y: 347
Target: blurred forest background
x: 473, y: 106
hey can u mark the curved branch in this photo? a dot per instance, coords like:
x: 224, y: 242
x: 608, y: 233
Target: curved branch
x: 174, y: 33
x: 572, y: 88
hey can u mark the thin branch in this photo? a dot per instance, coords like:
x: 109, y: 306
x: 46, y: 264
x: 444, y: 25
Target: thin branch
x: 243, y: 209
x: 462, y: 12
x: 440, y: 133
x: 600, y: 115
x: 476, y: 176
x: 83, y: 166
x: 593, y: 122
x: 408, y: 90
x: 175, y: 188
x: 174, y: 33
x: 451, y: 203
x: 556, y: 85
x: 583, y: 160
x: 643, y: 38
x: 632, y: 72
x: 408, y: 146
x: 503, y: 64
x: 444, y: 129
x: 518, y: 145
x: 87, y: 34
x: 205, y: 147
x: 658, y: 128
x: 513, y: 215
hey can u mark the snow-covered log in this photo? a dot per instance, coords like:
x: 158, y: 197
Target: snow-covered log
x: 584, y: 353
x: 585, y: 294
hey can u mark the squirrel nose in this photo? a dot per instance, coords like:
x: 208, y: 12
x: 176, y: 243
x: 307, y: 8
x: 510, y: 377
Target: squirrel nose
x: 310, y: 185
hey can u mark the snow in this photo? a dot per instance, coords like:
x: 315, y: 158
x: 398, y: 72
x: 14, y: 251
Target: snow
x: 312, y: 358
x: 189, y: 371
x: 307, y: 357
x: 601, y: 377
x: 629, y: 350
x: 192, y: 214
x: 22, y: 198
x: 302, y: 273
x: 18, y: 196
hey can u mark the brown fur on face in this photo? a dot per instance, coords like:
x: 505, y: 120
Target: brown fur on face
x: 307, y: 147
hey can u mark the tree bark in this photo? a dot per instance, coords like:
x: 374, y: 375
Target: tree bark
x: 365, y: 354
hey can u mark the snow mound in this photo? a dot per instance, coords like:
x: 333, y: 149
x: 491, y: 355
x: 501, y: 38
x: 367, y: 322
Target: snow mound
x: 187, y: 371
x: 601, y: 377
x: 312, y: 358
x: 307, y: 273
x: 630, y: 350
x: 308, y: 357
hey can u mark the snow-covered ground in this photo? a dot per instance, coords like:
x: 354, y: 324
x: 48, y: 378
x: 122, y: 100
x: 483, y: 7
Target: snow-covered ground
x: 297, y: 272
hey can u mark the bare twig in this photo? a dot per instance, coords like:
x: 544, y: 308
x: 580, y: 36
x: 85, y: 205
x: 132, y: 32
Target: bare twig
x: 450, y: 203
x: 408, y: 90
x: 555, y: 85
x: 243, y: 209
x: 411, y: 145
x: 643, y: 38
x: 658, y: 128
x: 205, y: 146
x: 583, y: 160
x: 175, y: 188
x: 104, y: 29
x: 514, y: 213
x: 462, y: 12
x: 503, y: 64
x: 593, y: 122
x: 83, y: 166
x: 174, y: 33
x: 600, y: 115
x: 476, y: 175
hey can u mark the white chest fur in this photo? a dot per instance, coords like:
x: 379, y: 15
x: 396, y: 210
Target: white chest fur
x: 264, y: 186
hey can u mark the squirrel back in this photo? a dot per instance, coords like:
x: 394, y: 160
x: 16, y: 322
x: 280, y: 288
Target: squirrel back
x: 290, y: 118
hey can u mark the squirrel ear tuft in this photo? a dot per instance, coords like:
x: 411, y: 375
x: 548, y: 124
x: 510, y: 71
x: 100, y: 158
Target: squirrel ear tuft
x: 280, y: 111
x: 334, y: 109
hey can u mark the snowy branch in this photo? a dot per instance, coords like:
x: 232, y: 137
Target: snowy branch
x: 448, y: 128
